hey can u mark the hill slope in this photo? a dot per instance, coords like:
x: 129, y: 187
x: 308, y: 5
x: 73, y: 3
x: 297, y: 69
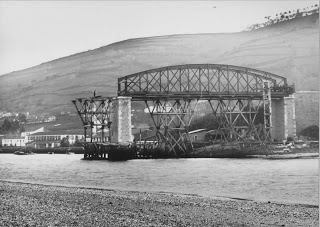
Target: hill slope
x: 289, y: 48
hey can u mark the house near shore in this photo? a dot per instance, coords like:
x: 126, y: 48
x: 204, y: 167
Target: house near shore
x: 52, y: 139
x: 13, y: 140
x: 198, y: 135
x: 18, y: 140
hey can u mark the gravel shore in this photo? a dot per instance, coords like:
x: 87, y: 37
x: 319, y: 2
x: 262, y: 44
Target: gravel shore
x: 40, y: 205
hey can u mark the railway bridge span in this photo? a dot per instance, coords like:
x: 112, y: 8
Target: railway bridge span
x: 249, y: 105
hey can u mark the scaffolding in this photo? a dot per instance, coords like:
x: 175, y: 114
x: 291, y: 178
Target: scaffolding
x: 96, y: 115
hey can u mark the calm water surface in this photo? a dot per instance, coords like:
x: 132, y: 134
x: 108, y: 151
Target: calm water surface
x: 287, y: 181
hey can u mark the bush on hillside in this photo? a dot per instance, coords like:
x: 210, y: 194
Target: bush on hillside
x: 311, y: 131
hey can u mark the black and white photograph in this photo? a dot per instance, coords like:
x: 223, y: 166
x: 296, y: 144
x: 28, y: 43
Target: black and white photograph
x: 159, y: 113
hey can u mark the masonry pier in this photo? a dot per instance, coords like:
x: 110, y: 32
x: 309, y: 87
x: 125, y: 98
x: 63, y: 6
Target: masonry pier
x: 284, y: 118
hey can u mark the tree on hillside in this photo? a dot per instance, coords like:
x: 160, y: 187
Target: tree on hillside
x: 15, y: 126
x: 22, y: 118
x: 6, y: 125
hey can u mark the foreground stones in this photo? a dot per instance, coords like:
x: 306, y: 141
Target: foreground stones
x: 39, y: 205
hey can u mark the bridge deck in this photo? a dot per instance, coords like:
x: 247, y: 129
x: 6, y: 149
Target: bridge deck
x: 141, y: 96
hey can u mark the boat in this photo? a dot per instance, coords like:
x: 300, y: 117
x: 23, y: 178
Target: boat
x: 24, y: 151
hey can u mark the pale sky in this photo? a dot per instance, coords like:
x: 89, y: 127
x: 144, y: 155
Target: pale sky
x: 33, y: 32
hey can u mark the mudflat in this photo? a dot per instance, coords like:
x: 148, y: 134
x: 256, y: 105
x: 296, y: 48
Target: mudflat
x: 41, y: 205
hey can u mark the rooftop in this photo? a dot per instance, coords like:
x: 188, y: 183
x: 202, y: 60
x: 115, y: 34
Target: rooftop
x: 198, y: 130
x: 56, y: 133
x: 12, y: 137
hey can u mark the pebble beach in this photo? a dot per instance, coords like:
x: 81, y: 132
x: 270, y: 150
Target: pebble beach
x: 24, y: 204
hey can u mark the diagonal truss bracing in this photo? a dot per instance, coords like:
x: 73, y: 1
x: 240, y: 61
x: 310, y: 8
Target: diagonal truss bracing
x: 201, y: 81
x: 243, y: 119
x: 240, y: 98
x: 95, y: 112
x: 172, y: 119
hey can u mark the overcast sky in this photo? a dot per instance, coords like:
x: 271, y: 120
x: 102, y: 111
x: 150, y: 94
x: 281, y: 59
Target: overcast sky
x: 33, y: 32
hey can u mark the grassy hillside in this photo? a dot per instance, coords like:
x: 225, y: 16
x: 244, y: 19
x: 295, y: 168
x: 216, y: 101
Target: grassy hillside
x: 289, y: 48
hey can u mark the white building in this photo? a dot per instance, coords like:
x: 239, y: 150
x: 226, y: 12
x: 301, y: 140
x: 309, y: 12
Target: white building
x: 15, y: 141
x: 52, y: 139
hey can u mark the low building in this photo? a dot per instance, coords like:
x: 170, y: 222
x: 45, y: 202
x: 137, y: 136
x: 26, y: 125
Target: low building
x: 52, y: 139
x: 14, y: 141
x: 198, y: 135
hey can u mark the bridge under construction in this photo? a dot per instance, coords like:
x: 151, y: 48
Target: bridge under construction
x: 236, y: 95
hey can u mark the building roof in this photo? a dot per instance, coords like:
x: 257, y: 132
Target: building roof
x: 12, y: 137
x: 213, y: 132
x: 56, y: 133
x: 198, y: 130
x: 43, y: 141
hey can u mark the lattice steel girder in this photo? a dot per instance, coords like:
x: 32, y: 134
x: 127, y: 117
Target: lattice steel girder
x: 201, y: 81
x: 95, y: 112
x: 172, y: 120
x: 241, y: 120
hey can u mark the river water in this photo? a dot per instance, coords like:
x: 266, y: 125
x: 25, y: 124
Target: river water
x: 284, y: 181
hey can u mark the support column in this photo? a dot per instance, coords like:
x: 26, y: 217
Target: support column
x: 121, y: 128
x: 290, y: 116
x: 283, y: 119
x: 93, y: 109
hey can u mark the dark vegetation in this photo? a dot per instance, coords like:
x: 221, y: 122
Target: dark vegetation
x: 283, y: 16
x: 208, y: 121
x: 13, y: 125
x: 311, y: 131
x: 211, y: 122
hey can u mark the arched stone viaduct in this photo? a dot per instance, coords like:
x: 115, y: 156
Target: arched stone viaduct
x: 250, y: 105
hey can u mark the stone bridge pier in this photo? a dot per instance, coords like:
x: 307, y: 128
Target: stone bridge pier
x: 283, y: 118
x: 121, y: 127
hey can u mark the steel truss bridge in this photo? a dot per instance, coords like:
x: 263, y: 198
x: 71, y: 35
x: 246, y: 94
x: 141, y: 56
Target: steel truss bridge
x: 238, y: 97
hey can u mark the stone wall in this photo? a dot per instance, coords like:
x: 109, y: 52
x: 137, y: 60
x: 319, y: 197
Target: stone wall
x: 307, y: 109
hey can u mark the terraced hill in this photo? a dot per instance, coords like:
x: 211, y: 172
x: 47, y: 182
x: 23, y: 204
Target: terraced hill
x: 289, y: 48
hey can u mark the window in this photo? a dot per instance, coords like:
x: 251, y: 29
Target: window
x: 42, y: 145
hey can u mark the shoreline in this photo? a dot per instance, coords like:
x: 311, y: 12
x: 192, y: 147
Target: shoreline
x: 286, y: 156
x: 29, y: 204
x: 236, y: 155
x: 157, y: 192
